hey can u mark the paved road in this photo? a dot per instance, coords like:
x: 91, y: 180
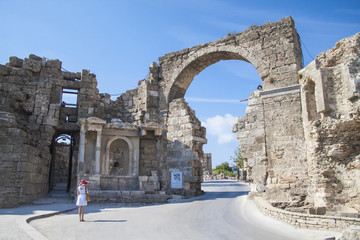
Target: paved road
x: 224, y: 212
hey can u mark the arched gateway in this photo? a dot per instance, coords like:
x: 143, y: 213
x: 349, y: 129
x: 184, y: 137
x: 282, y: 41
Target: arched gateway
x: 273, y: 49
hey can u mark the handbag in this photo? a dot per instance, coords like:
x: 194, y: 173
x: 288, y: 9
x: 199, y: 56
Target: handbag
x: 88, y: 199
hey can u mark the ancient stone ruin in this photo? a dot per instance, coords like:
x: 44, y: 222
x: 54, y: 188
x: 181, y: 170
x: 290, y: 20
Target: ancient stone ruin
x: 300, y: 137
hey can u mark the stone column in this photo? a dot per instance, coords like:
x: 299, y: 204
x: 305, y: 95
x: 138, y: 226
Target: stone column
x: 81, y: 149
x: 97, y: 153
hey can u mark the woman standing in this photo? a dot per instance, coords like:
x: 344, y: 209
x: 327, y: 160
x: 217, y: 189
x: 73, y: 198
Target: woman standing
x: 81, y: 198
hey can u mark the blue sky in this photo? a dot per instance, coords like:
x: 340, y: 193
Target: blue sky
x: 117, y: 40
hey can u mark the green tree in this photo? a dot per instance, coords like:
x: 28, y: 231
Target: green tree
x: 225, y: 169
x: 237, y: 158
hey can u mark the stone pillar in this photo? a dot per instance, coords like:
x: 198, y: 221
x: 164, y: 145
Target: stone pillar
x: 81, y: 149
x: 97, y: 152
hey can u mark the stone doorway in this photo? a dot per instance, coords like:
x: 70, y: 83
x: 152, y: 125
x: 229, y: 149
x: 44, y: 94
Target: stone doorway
x: 61, y: 165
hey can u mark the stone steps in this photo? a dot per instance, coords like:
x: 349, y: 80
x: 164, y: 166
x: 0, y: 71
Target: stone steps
x: 57, y: 195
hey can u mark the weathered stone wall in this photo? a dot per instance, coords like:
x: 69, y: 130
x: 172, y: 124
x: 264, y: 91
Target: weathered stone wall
x: 250, y: 132
x: 285, y: 149
x: 302, y: 141
x: 148, y: 156
x: 31, y: 107
x: 32, y: 116
x: 331, y: 110
x: 30, y: 110
x: 272, y: 142
x: 184, y: 151
x: 24, y: 173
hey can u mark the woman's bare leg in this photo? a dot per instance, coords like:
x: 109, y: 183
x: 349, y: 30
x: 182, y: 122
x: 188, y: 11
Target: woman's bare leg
x: 82, y: 212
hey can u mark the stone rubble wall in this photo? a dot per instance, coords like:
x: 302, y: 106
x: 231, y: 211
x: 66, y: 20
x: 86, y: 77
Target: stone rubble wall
x: 331, y: 113
x: 310, y: 221
x: 272, y: 142
x: 32, y: 115
x: 302, y: 141
x: 30, y: 92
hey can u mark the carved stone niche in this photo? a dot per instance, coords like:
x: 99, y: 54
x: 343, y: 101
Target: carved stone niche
x: 121, y: 155
x: 111, y: 152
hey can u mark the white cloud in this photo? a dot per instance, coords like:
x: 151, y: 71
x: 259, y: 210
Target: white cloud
x: 221, y: 127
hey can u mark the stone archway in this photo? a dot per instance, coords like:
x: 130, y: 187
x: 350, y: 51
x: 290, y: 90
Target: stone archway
x: 200, y: 61
x: 274, y: 51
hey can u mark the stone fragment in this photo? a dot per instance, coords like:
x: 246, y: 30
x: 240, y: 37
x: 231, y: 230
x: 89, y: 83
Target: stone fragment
x: 53, y: 64
x: 15, y: 62
x: 32, y: 65
x: 34, y: 57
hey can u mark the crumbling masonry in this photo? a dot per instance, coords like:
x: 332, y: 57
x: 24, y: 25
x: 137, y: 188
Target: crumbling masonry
x: 300, y: 135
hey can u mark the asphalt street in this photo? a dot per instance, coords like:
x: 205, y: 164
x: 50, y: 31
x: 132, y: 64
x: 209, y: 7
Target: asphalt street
x: 223, y: 212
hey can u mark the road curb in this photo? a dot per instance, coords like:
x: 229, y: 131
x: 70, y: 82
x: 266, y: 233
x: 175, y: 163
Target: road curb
x: 24, y: 224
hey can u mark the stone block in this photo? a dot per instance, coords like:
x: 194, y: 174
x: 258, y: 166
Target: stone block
x: 15, y: 62
x: 69, y: 76
x: 109, y: 183
x: 34, y: 57
x: 53, y: 64
x: 32, y: 65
